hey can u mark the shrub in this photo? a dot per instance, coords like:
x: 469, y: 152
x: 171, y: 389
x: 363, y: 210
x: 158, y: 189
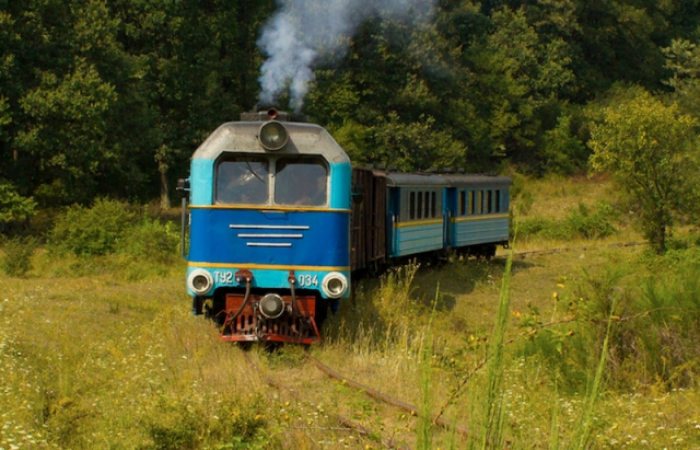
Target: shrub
x: 582, y: 222
x: 591, y: 223
x: 150, y: 239
x: 17, y: 259
x: 91, y: 231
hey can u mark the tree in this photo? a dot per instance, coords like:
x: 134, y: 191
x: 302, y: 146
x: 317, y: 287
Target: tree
x: 683, y: 60
x: 524, y: 79
x: 195, y: 67
x: 651, y: 149
x: 14, y: 207
x: 386, y: 100
x: 58, y: 62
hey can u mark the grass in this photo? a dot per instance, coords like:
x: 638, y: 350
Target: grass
x: 101, y: 353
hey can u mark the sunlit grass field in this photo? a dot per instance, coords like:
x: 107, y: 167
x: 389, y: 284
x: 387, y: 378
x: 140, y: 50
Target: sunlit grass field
x: 101, y: 352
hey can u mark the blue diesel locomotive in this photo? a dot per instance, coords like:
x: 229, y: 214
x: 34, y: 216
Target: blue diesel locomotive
x: 279, y: 220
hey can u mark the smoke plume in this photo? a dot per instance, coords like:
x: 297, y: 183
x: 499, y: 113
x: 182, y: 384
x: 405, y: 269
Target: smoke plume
x: 302, y: 32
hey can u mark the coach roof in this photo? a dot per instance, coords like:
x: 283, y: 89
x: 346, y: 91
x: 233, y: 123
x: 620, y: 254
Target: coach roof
x: 467, y: 180
x: 414, y: 179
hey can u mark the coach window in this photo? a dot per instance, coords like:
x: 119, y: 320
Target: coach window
x: 489, y: 201
x: 462, y: 203
x: 412, y: 206
x: 472, y: 202
x: 420, y: 206
x: 426, y: 214
x: 242, y: 180
x: 498, y: 200
x: 433, y: 208
x: 301, y: 182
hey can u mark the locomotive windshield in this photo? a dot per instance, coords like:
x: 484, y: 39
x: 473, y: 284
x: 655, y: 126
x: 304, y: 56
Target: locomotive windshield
x: 246, y: 180
x: 300, y: 182
x: 243, y: 181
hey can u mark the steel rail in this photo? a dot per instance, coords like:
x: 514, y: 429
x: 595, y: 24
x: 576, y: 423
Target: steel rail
x: 553, y: 251
x: 350, y: 424
x: 386, y: 399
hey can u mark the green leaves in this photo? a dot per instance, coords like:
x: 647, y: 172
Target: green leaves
x: 14, y: 207
x: 65, y: 127
x: 652, y: 151
x: 111, y: 99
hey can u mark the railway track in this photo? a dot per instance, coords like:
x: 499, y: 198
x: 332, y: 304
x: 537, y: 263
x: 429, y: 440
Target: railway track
x: 345, y: 422
x: 554, y: 251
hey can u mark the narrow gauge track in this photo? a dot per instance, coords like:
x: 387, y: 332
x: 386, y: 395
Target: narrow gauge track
x: 385, y: 398
x: 348, y: 423
x: 554, y: 251
x: 344, y: 421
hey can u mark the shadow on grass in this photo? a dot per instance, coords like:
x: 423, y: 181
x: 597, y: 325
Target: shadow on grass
x: 458, y: 278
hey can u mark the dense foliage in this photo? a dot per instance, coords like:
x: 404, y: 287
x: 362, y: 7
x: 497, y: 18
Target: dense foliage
x: 110, y: 99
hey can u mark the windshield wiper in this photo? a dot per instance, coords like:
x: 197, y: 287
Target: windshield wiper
x: 253, y: 172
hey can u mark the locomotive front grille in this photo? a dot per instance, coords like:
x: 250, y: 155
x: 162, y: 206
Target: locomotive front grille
x: 283, y: 233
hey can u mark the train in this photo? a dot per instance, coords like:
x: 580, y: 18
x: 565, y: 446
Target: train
x: 276, y: 221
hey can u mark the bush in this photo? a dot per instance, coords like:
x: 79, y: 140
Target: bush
x: 592, y: 224
x: 150, y: 239
x: 17, y: 260
x: 669, y: 349
x: 91, y: 231
x: 582, y: 222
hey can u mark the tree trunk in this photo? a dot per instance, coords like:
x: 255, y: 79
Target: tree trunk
x: 164, y: 197
x: 661, y: 232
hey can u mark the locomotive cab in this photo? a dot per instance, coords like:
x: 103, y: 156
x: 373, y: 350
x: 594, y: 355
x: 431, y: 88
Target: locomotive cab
x: 269, y: 228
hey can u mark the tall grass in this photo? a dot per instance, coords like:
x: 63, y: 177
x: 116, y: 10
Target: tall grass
x: 491, y: 427
x: 582, y: 437
x: 424, y: 430
x: 77, y: 374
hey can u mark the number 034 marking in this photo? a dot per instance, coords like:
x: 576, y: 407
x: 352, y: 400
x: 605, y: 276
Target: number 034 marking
x: 307, y: 280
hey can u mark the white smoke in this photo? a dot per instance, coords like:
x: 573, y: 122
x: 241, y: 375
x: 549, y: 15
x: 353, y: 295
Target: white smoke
x: 302, y: 32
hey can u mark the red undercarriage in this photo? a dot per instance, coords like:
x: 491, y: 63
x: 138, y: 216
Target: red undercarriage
x: 297, y: 327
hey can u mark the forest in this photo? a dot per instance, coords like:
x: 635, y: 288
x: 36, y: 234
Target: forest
x: 110, y: 98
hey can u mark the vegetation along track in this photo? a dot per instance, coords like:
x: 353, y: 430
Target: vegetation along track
x: 373, y: 393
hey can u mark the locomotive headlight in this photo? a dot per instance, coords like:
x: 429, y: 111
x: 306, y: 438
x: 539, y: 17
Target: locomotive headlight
x: 334, y: 285
x: 273, y: 135
x: 271, y: 306
x: 200, y: 281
